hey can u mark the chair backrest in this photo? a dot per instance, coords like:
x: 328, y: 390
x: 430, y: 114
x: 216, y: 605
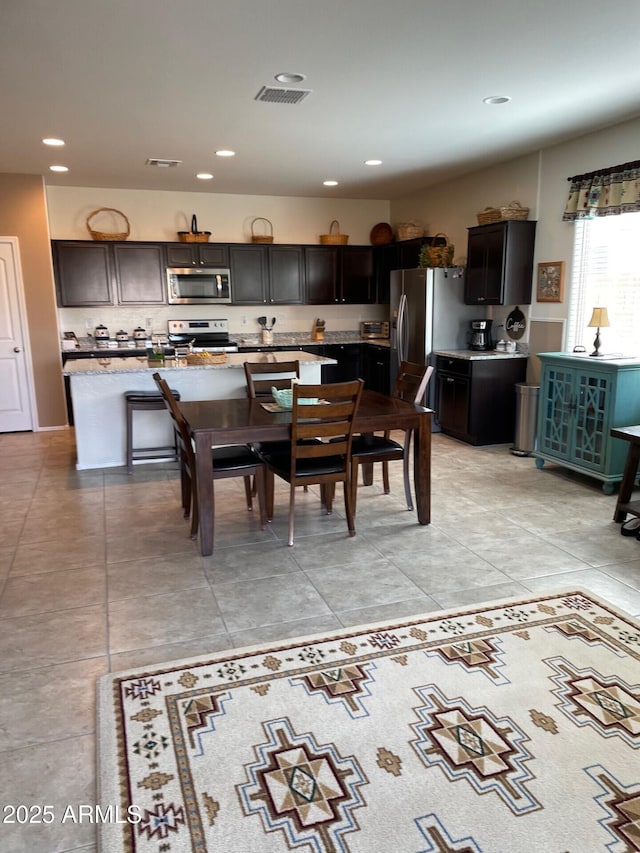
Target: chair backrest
x: 331, y: 420
x: 281, y: 374
x: 177, y: 417
x: 411, y: 382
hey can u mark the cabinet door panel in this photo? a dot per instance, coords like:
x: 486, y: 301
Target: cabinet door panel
x: 321, y: 271
x: 83, y: 273
x: 286, y: 274
x: 348, y: 366
x: 556, y: 407
x: 356, y: 275
x: 197, y: 254
x: 248, y: 274
x: 140, y: 273
x: 591, y: 419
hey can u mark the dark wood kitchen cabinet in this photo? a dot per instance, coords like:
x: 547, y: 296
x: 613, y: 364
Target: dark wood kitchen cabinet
x: 266, y: 274
x: 376, y: 368
x: 404, y: 255
x: 349, y: 364
x: 197, y: 255
x: 94, y: 273
x: 339, y: 274
x: 139, y: 273
x: 476, y: 398
x: 286, y: 275
x: 500, y: 263
x: 83, y: 272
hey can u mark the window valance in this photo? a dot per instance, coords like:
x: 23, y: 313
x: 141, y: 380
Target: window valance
x: 606, y: 192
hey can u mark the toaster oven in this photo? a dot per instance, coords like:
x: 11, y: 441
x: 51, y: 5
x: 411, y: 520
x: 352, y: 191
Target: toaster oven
x: 374, y: 329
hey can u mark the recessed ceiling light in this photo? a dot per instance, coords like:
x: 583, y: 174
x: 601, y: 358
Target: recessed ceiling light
x: 51, y: 140
x: 225, y: 152
x: 373, y: 162
x: 59, y: 168
x: 330, y: 183
x: 496, y: 99
x: 289, y: 77
x: 204, y: 176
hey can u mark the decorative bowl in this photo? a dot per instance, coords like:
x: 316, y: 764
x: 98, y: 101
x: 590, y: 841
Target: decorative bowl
x: 284, y: 398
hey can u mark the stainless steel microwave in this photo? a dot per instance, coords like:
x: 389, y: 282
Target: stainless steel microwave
x: 198, y: 286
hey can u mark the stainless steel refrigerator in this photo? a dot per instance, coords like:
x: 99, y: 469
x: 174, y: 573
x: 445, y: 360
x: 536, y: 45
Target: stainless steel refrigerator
x: 427, y: 313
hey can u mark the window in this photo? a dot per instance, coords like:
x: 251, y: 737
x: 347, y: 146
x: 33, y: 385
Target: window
x: 606, y: 272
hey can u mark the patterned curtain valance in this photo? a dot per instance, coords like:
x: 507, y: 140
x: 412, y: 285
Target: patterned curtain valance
x: 607, y: 192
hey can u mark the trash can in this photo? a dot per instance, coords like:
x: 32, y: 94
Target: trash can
x: 526, y: 418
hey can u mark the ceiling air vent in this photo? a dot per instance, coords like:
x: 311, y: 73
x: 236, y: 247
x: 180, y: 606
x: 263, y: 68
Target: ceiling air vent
x: 279, y: 95
x: 165, y: 164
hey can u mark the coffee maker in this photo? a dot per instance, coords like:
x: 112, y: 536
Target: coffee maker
x: 481, y: 335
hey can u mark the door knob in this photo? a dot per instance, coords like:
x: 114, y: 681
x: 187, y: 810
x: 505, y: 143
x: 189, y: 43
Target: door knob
x: 16, y: 349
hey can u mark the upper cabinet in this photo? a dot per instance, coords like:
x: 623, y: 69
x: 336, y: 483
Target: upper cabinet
x: 108, y: 273
x: 197, y: 255
x: 266, y: 274
x: 404, y: 255
x: 500, y: 263
x: 339, y: 274
x: 139, y: 273
x: 83, y: 273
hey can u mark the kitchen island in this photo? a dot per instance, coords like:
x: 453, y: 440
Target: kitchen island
x: 98, y: 387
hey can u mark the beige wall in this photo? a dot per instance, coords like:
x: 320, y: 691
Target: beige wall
x: 23, y: 214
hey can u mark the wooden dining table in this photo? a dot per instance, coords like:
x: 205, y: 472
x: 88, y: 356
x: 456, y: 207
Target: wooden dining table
x: 244, y: 421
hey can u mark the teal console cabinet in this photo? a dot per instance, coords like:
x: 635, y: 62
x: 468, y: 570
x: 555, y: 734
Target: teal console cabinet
x: 581, y: 399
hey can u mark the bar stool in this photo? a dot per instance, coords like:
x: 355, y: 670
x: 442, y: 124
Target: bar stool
x: 146, y: 401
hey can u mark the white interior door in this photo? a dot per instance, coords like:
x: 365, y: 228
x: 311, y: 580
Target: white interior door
x: 16, y: 410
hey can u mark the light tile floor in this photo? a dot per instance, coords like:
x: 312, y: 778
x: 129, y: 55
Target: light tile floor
x: 98, y: 574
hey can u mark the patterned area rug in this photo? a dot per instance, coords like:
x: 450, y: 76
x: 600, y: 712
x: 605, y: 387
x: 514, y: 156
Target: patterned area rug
x: 512, y: 726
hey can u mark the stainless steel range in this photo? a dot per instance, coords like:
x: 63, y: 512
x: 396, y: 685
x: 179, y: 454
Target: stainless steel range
x: 200, y: 336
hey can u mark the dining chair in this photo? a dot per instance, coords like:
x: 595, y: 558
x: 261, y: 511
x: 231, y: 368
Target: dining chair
x: 319, y: 452
x: 411, y: 384
x: 228, y: 461
x: 261, y: 377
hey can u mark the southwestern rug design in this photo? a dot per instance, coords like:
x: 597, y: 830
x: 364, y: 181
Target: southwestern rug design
x: 511, y: 726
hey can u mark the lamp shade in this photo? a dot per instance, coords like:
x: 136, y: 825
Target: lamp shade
x: 599, y: 318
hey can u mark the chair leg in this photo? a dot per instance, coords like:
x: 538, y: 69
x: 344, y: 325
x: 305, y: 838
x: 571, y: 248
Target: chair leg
x: 129, y: 440
x: 385, y: 477
x: 405, y: 469
x: 292, y: 503
x: 354, y: 484
x: 194, y: 509
x: 329, y: 492
x: 254, y: 490
x: 185, y: 487
x: 247, y: 491
x: 259, y: 481
x: 269, y: 490
x: 348, y: 508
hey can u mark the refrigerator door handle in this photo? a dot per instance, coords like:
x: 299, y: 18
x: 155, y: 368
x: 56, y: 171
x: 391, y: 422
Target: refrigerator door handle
x: 402, y: 307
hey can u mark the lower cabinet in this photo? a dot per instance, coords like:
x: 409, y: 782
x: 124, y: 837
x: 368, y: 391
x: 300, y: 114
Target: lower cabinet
x: 476, y: 398
x: 376, y: 370
x: 349, y: 365
x: 581, y: 400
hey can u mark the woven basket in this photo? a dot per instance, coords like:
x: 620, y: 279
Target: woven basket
x: 409, y: 230
x: 334, y: 238
x: 262, y: 238
x: 194, y: 236
x: 200, y: 358
x: 381, y: 234
x: 440, y: 255
x: 102, y: 235
x: 514, y: 210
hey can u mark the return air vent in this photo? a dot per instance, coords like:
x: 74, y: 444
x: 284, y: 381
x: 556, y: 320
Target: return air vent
x: 279, y: 95
x: 165, y: 164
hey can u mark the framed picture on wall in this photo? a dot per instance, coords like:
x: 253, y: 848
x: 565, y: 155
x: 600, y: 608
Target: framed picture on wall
x: 550, y: 283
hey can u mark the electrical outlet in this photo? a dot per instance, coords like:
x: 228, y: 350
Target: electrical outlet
x: 243, y: 320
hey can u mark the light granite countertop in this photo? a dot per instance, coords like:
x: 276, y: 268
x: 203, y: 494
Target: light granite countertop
x: 475, y: 355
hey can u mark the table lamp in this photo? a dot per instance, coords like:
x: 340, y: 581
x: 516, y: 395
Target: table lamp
x: 599, y: 319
